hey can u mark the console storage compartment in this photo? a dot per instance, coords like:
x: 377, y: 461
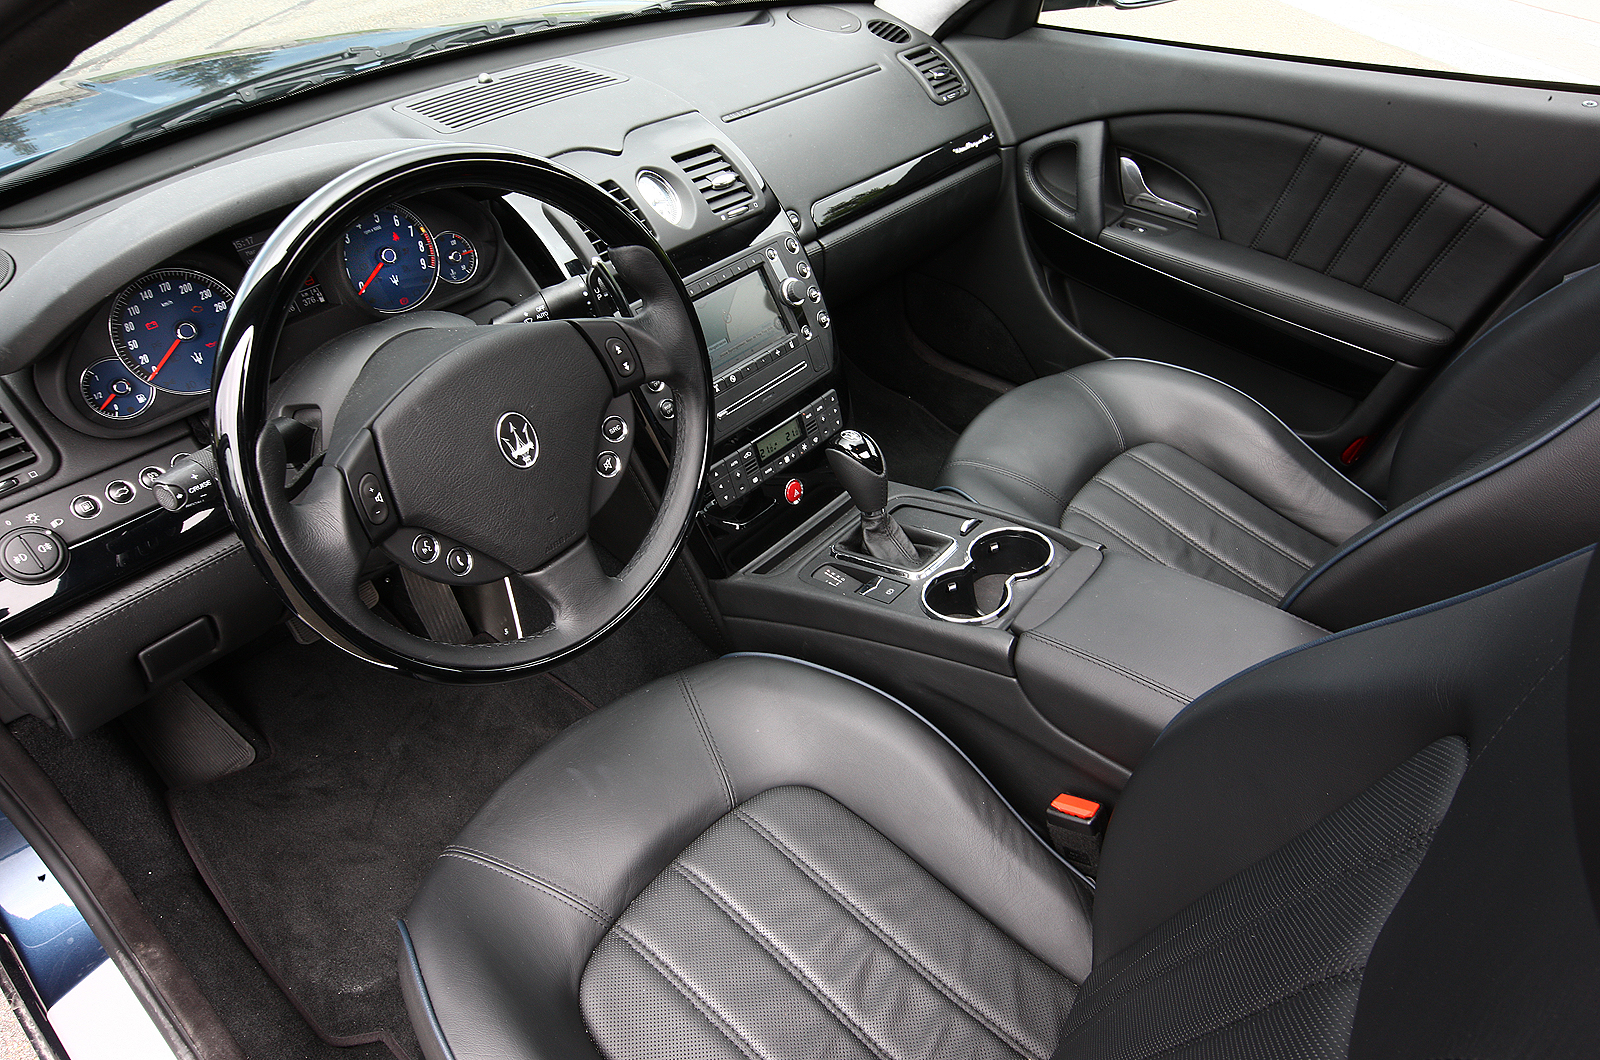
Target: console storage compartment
x: 1136, y: 644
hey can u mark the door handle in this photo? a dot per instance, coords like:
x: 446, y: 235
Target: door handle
x: 1135, y: 192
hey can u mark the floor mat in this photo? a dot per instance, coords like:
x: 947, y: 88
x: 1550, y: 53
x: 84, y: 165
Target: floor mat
x: 317, y: 849
x: 914, y: 443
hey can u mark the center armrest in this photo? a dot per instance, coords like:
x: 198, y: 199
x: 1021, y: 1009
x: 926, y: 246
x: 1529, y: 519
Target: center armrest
x: 1136, y: 644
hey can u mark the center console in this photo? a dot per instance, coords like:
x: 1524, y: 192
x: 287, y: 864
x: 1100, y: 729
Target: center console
x: 1052, y: 662
x: 776, y: 398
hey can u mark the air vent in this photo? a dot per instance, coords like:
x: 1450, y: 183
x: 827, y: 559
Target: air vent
x: 485, y: 100
x: 721, y: 185
x: 937, y: 74
x: 613, y: 189
x: 15, y: 451
x: 889, y: 31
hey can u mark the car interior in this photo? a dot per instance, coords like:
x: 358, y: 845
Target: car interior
x: 767, y: 531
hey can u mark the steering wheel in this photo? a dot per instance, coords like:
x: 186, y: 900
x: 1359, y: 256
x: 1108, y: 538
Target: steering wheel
x: 465, y: 453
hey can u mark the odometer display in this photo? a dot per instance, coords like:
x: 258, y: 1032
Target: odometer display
x: 165, y: 326
x: 390, y: 260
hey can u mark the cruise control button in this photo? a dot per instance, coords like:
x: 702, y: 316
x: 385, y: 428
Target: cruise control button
x: 85, y: 506
x: 120, y: 491
x: 608, y: 464
x: 615, y: 428
x: 459, y: 562
x: 148, y: 476
x: 425, y: 547
x: 374, y: 499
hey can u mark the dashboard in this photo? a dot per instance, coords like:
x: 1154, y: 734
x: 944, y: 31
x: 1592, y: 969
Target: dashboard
x: 786, y: 158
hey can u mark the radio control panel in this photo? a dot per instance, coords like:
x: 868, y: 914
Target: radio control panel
x: 768, y: 333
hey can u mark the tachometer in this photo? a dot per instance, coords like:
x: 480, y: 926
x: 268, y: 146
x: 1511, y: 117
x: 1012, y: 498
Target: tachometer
x: 391, y: 260
x: 112, y: 391
x: 165, y: 326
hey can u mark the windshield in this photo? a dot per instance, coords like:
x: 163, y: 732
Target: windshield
x: 188, y: 60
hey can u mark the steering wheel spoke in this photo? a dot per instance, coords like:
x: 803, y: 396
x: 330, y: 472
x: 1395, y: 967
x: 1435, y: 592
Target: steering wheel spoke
x: 580, y: 594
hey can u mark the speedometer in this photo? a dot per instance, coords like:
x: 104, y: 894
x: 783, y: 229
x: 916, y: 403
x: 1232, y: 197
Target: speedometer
x: 165, y: 326
x: 390, y: 260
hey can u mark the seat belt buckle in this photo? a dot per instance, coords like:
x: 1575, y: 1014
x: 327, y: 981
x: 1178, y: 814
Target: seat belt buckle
x: 1076, y: 829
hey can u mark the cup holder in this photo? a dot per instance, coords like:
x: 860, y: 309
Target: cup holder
x: 981, y: 588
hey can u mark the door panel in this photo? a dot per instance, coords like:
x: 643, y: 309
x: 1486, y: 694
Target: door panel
x: 1364, y: 217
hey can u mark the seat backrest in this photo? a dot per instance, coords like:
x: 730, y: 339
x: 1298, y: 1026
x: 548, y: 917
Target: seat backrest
x: 1497, y: 468
x: 1364, y: 847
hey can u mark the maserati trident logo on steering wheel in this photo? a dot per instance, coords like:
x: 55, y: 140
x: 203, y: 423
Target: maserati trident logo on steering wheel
x: 519, y: 443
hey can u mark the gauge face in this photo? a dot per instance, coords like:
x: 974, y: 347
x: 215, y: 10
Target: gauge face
x: 391, y: 260
x: 165, y: 327
x: 458, y: 258
x: 112, y: 391
x: 659, y: 196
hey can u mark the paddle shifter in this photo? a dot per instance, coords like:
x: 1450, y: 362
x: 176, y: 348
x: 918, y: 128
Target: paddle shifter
x: 858, y: 463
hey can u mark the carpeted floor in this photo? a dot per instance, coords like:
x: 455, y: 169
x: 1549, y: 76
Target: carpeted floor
x: 313, y: 851
x: 316, y: 850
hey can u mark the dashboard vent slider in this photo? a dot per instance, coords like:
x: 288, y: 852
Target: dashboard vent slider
x: 937, y: 74
x: 718, y: 182
x: 15, y: 452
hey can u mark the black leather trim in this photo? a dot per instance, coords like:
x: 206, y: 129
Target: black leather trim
x: 418, y: 1006
x: 1136, y: 644
x: 1363, y: 701
x: 1052, y: 436
x: 503, y: 934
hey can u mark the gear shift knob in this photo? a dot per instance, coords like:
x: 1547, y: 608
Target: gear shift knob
x: 858, y: 463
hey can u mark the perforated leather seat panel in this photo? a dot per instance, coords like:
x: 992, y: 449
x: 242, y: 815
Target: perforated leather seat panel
x: 791, y: 928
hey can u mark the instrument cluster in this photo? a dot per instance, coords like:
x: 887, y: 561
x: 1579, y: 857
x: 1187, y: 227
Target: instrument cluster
x: 147, y: 356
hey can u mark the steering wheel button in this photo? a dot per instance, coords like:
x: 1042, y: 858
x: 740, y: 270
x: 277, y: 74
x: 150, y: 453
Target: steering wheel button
x: 615, y: 428
x: 374, y: 499
x: 667, y: 408
x: 425, y: 547
x: 85, y: 506
x: 608, y: 464
x: 120, y: 491
x: 459, y: 562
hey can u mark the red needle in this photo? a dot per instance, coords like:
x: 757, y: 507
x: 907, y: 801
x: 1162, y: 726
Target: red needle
x: 108, y: 401
x: 170, y: 349
x: 374, y: 276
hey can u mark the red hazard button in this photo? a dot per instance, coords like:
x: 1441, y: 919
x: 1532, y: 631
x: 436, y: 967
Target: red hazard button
x: 793, y: 491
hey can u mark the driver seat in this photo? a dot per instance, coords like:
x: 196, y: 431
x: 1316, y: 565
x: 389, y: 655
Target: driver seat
x: 1369, y: 846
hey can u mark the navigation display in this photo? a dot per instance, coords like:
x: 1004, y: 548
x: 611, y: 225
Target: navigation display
x: 739, y: 318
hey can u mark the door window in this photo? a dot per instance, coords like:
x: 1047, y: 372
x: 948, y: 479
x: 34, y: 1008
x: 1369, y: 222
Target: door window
x: 1532, y: 40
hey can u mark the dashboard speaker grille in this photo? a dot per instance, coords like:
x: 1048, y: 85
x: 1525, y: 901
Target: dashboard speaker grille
x: 484, y: 101
x: 718, y: 182
x: 889, y: 31
x: 15, y: 451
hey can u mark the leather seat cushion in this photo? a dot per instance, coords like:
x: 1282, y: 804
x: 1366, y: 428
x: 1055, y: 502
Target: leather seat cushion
x: 1153, y: 501
x: 792, y: 927
x: 505, y: 927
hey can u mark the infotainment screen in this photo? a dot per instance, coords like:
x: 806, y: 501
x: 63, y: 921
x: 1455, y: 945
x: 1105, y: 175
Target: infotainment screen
x: 739, y: 317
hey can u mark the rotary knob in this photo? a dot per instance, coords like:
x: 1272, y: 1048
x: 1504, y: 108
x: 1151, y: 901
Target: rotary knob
x: 793, y: 291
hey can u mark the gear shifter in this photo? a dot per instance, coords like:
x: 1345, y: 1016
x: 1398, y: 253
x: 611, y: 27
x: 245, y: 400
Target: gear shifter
x: 858, y: 463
